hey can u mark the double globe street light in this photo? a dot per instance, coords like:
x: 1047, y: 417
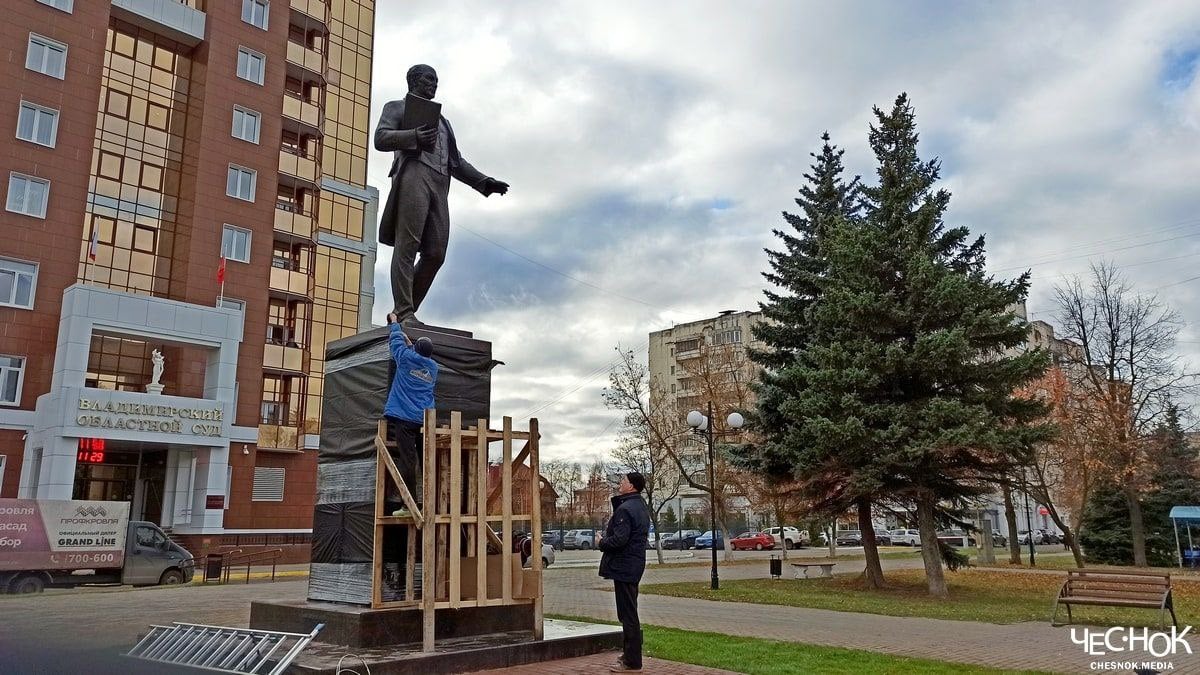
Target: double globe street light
x: 699, y: 422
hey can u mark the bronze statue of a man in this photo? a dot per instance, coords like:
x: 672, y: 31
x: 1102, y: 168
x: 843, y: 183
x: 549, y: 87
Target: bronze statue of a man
x: 415, y: 217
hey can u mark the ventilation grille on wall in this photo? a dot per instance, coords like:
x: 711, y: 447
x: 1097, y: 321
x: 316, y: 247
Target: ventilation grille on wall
x: 268, y: 484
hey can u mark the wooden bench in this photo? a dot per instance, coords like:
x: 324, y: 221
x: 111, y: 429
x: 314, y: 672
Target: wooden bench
x: 1117, y: 588
x: 826, y: 569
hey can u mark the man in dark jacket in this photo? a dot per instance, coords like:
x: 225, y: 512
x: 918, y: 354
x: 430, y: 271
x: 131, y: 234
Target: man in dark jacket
x: 624, y: 561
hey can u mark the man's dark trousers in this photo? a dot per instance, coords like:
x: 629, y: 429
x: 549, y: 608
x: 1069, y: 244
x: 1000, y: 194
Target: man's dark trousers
x: 408, y: 460
x: 631, y: 625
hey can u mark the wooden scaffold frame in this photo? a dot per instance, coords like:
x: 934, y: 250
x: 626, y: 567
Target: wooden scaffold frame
x: 453, y: 455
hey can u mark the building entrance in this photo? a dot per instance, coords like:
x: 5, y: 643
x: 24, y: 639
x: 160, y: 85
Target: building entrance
x: 122, y: 472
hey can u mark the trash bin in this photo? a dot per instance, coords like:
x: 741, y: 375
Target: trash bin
x: 213, y: 564
x: 776, y: 566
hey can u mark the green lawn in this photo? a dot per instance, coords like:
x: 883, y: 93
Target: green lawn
x: 776, y: 657
x: 975, y: 595
x: 1067, y: 562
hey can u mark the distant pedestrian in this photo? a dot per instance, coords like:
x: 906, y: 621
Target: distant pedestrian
x: 624, y: 561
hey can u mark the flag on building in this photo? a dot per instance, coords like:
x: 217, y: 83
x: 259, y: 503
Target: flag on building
x: 221, y: 271
x: 94, y: 247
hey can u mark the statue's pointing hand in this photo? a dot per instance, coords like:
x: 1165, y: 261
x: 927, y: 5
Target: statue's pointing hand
x: 492, y: 186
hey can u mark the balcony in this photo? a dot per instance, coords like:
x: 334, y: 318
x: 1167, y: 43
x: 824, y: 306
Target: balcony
x: 181, y: 20
x: 310, y: 13
x: 291, y: 221
x: 291, y: 359
x: 301, y: 170
x: 305, y: 64
x: 301, y: 116
x: 291, y: 285
x: 278, y: 437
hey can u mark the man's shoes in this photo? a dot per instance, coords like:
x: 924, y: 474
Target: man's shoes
x: 620, y: 667
x: 402, y: 513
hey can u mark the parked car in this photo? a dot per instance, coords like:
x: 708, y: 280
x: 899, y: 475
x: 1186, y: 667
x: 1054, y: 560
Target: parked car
x: 791, y: 537
x: 552, y: 538
x: 849, y: 538
x: 681, y: 540
x: 752, y: 540
x: 956, y: 538
x: 1038, y: 537
x: 1051, y: 537
x: 706, y: 540
x: 906, y: 537
x: 579, y: 539
x: 651, y: 541
x: 999, y: 539
x: 882, y: 537
x: 527, y: 560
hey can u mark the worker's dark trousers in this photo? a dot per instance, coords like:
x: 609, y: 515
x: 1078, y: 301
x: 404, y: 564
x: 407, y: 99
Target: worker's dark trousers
x: 631, y: 626
x: 408, y: 458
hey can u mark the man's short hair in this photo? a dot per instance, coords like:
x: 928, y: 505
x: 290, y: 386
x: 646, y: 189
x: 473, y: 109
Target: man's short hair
x: 637, y: 480
x: 411, y: 76
x: 424, y: 347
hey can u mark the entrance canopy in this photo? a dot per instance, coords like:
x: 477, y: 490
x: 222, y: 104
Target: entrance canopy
x: 1189, y: 517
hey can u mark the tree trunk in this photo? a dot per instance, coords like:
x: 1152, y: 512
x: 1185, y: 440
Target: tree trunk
x: 930, y: 553
x: 833, y: 539
x: 873, y: 573
x: 782, y: 541
x: 1010, y: 519
x: 1137, y: 527
x: 1069, y: 539
x: 657, y: 536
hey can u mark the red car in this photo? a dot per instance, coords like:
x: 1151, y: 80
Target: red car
x: 755, y: 540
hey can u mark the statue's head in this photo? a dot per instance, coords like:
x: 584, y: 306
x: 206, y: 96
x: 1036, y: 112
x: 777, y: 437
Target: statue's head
x: 422, y: 80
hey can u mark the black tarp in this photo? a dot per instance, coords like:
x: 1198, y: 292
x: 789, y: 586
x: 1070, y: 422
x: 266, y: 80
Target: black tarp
x: 343, y: 533
x: 358, y: 373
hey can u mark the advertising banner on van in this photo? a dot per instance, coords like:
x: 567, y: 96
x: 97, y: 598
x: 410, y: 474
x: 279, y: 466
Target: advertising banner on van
x: 45, y: 535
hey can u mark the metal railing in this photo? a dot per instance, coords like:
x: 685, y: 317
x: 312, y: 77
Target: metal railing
x: 251, y: 559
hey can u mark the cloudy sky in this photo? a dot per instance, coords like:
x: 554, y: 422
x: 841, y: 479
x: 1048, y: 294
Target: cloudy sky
x: 651, y: 147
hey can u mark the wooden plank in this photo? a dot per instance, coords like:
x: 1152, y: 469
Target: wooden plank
x: 443, y: 531
x: 455, y: 510
x: 396, y: 604
x: 427, y: 534
x: 481, y: 471
x: 377, y: 546
x: 521, y: 456
x: 410, y: 570
x: 386, y: 459
x: 472, y: 483
x: 535, y: 526
x: 506, y: 504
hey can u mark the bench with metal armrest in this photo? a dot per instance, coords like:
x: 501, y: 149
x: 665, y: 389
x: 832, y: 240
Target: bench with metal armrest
x: 1117, y: 588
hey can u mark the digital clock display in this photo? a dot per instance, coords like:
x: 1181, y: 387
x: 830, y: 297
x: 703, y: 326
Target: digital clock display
x: 91, y: 451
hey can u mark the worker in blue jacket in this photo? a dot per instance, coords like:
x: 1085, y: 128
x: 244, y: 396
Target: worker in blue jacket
x: 410, y: 396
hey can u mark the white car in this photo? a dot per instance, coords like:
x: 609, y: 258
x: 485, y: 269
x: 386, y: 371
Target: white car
x: 547, y: 556
x: 905, y: 537
x: 791, y: 538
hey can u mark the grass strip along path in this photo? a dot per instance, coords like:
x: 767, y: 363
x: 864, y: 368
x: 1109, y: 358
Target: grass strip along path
x: 975, y: 595
x: 777, y: 657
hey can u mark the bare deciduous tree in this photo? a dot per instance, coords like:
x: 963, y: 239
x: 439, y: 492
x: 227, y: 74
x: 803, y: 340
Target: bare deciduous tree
x: 1128, y: 365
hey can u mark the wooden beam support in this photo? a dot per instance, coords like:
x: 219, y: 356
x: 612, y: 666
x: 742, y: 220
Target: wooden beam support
x: 535, y: 526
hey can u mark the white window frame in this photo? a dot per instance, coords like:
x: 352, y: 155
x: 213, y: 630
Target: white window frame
x: 38, y: 111
x: 14, y: 176
x: 3, y: 461
x: 241, y: 172
x: 248, y: 7
x: 45, y: 43
x: 4, y: 371
x: 231, y: 303
x: 234, y: 230
x: 67, y: 6
x: 272, y: 474
x: 250, y: 54
x: 245, y: 115
x: 14, y: 265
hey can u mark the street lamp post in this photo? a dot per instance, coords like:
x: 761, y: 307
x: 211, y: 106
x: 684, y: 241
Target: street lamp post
x: 702, y: 424
x: 1028, y: 515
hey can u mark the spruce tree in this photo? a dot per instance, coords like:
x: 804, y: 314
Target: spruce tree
x: 903, y: 381
x: 1173, y: 483
x: 1107, y: 540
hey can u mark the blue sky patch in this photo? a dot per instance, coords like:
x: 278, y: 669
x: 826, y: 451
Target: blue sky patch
x: 1179, y: 68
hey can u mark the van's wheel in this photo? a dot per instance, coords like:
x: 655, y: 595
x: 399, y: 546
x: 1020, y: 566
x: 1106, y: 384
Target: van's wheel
x: 584, y: 546
x: 789, y: 544
x: 171, y: 578
x: 545, y: 563
x: 28, y: 584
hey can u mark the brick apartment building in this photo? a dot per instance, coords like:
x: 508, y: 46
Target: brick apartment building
x: 141, y: 141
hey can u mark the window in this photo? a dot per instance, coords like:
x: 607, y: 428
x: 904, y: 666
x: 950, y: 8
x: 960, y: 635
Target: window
x: 37, y: 124
x: 3, y: 459
x: 149, y: 537
x: 46, y: 56
x: 17, y: 281
x: 230, y: 303
x: 235, y: 244
x: 250, y: 65
x: 254, y: 12
x: 64, y: 5
x: 241, y: 183
x: 228, y: 485
x: 268, y: 484
x: 12, y: 372
x: 27, y: 195
x: 245, y: 124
